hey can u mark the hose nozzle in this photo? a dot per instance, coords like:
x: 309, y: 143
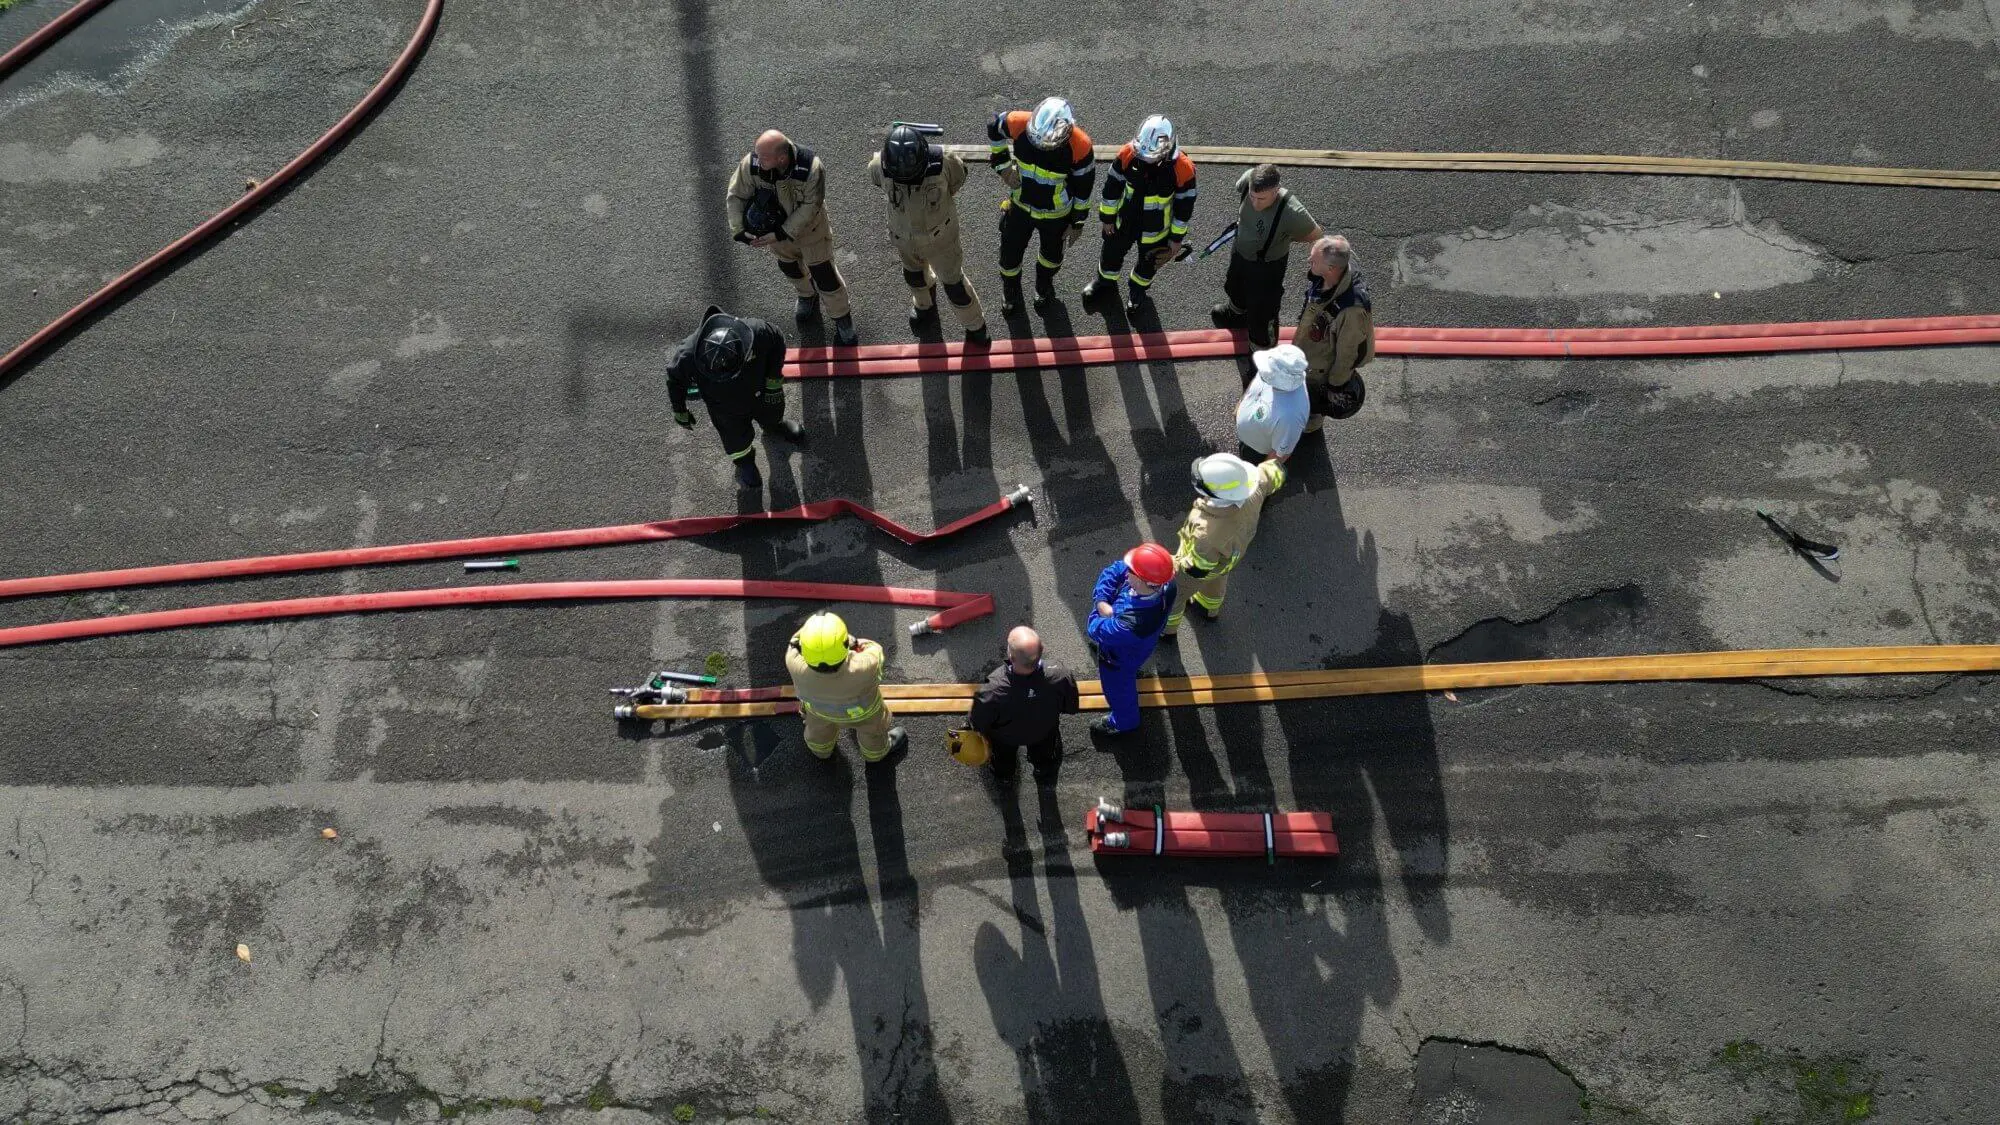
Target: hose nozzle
x: 1108, y: 811
x: 1019, y: 496
x: 1117, y: 840
x: 921, y: 628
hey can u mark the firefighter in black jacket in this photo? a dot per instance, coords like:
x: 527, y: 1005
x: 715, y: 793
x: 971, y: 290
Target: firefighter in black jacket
x: 1051, y: 167
x: 1149, y: 196
x: 1019, y: 706
x: 736, y: 365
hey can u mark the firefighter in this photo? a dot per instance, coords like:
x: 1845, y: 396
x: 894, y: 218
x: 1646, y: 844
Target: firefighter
x: 1336, y: 331
x: 1229, y: 495
x: 777, y: 201
x: 1149, y: 195
x: 736, y: 365
x: 838, y: 679
x: 1051, y: 167
x: 1129, y: 611
x: 921, y: 180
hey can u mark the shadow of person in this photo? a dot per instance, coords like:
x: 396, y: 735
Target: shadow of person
x: 1311, y: 937
x: 1046, y: 998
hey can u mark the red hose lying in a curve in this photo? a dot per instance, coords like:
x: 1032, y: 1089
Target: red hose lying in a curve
x: 490, y: 545
x: 957, y: 608
x: 55, y: 29
x: 1558, y: 343
x: 249, y: 199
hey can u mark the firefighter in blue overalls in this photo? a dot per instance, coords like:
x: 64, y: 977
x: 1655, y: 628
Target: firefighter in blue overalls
x: 1128, y: 614
x: 1149, y: 195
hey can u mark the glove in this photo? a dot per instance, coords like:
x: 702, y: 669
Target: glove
x: 1011, y: 176
x: 1110, y: 228
x: 1075, y: 232
x: 685, y: 418
x: 1170, y: 251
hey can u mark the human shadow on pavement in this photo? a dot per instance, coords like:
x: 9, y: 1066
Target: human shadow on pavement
x: 1043, y: 987
x: 1311, y: 937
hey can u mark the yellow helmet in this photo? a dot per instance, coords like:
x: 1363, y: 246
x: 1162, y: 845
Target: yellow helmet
x: 822, y: 640
x: 968, y: 746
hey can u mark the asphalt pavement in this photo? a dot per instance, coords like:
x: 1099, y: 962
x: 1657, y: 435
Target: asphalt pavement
x: 1700, y: 902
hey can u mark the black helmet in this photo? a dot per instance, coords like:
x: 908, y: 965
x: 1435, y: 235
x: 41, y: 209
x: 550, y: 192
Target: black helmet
x: 725, y: 345
x: 905, y: 155
x: 763, y: 214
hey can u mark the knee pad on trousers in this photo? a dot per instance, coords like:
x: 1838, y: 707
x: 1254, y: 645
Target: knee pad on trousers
x: 825, y: 278
x: 915, y: 279
x: 791, y: 268
x: 957, y: 293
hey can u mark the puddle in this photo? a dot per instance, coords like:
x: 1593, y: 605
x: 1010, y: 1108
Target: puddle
x: 117, y: 36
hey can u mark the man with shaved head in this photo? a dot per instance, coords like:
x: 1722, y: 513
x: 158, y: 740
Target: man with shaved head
x: 777, y: 202
x: 1020, y: 706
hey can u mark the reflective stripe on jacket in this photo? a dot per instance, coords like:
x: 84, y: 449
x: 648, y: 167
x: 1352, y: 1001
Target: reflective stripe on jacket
x: 1163, y: 193
x: 1055, y: 183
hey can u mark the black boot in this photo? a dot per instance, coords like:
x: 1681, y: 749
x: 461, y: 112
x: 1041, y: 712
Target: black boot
x: 789, y: 430
x: 1010, y: 295
x: 843, y: 331
x: 747, y: 476
x: 1226, y: 315
x: 1137, y: 300
x: 1099, y: 287
x: 1045, y: 285
x: 978, y: 338
x: 925, y: 314
x: 806, y: 308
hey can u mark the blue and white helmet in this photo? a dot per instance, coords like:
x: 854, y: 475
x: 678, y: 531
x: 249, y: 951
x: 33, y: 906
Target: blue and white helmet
x: 1051, y: 122
x: 1155, y: 141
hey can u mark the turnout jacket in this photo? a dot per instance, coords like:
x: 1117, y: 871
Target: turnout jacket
x: 763, y: 373
x: 1156, y: 200
x: 1055, y: 183
x: 1336, y: 327
x: 849, y: 693
x: 927, y: 209
x: 1126, y: 638
x: 801, y: 193
x: 1015, y: 710
x: 1215, y: 535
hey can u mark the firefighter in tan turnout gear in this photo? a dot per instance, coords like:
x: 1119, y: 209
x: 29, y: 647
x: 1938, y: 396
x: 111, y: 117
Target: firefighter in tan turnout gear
x: 777, y: 202
x: 922, y: 180
x: 838, y: 679
x: 1229, y: 497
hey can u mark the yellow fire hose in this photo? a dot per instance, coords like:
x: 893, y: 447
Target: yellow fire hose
x: 1267, y: 687
x: 1571, y: 162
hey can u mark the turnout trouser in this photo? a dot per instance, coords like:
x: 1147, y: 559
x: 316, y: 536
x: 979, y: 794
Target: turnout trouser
x: 939, y: 260
x: 1146, y: 264
x: 871, y: 731
x: 735, y: 429
x: 809, y: 263
x: 1257, y: 288
x: 1016, y: 228
x: 1208, y: 593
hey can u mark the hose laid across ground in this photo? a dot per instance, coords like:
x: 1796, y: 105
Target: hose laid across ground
x: 493, y: 545
x: 272, y: 184
x: 1555, y: 343
x: 1268, y: 687
x: 18, y: 55
x: 956, y: 608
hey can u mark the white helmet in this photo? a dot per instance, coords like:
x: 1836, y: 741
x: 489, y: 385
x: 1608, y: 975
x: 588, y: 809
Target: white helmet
x: 1155, y: 141
x: 1282, y: 367
x: 1051, y: 122
x: 1224, y: 478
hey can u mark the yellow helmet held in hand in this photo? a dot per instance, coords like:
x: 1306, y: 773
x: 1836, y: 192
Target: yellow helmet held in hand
x: 968, y: 746
x: 823, y: 641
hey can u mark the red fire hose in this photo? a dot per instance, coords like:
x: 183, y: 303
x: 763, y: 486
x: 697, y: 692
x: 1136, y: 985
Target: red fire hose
x: 1561, y: 343
x: 956, y: 608
x: 492, y: 545
x: 272, y: 184
x: 55, y: 29
x: 1115, y: 831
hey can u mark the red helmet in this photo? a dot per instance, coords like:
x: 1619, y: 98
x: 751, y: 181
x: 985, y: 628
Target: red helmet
x: 1151, y: 562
